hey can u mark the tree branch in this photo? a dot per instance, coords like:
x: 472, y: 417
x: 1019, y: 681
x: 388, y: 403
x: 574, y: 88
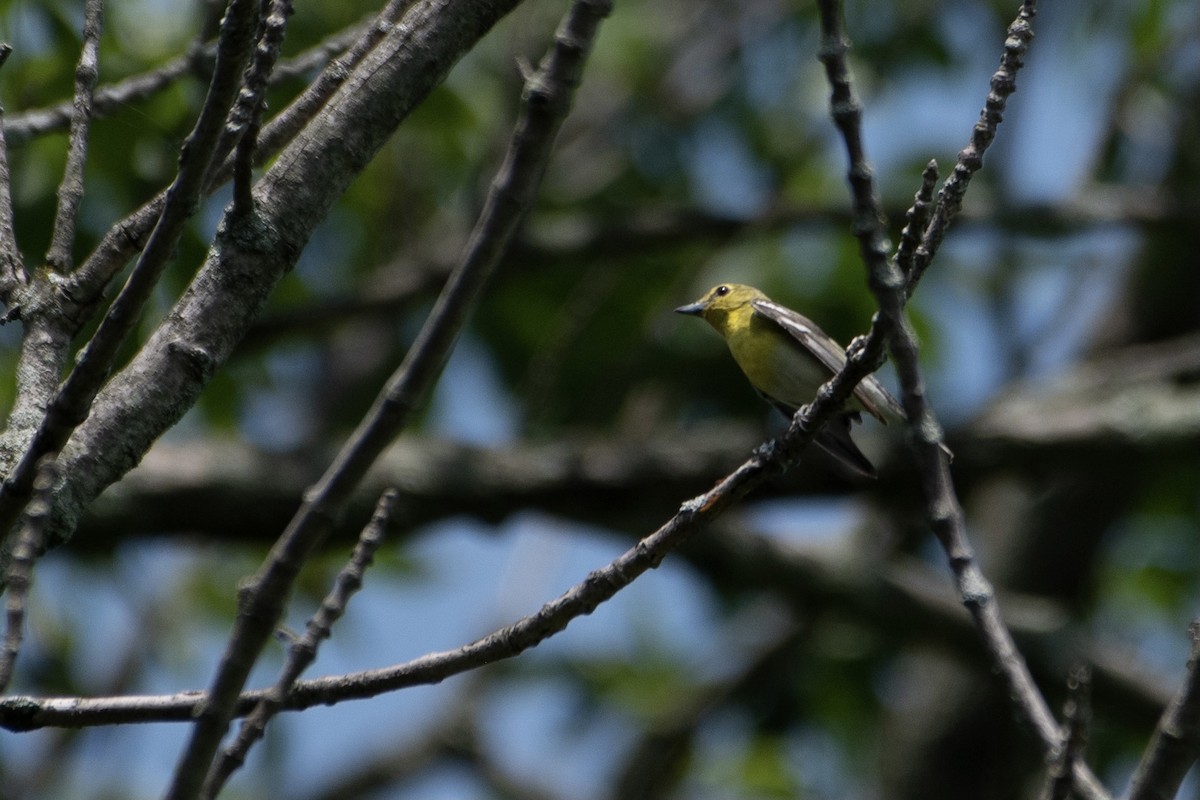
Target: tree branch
x: 900, y: 599
x: 970, y: 159
x: 162, y: 381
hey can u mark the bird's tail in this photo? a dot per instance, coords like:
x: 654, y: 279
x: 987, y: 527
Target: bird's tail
x: 835, y: 439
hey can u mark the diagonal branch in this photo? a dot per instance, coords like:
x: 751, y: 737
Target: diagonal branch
x: 1176, y: 742
x: 547, y: 98
x: 904, y: 599
x: 303, y: 651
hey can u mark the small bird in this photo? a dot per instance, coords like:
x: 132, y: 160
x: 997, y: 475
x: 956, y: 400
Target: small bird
x: 787, y: 358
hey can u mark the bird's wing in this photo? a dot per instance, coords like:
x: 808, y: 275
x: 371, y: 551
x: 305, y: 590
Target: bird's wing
x: 870, y: 392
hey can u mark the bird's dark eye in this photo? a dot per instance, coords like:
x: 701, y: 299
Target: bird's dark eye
x: 722, y: 291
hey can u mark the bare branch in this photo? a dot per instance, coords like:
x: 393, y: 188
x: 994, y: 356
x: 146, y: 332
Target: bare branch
x: 903, y: 598
x: 1176, y: 741
x: 37, y: 122
x: 891, y: 292
x: 128, y: 236
x: 303, y: 651
x: 73, y: 400
x: 507, y: 642
x: 546, y: 100
x: 108, y: 98
x: 70, y: 191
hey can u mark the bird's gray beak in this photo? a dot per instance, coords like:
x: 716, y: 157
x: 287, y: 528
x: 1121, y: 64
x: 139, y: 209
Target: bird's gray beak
x: 694, y: 309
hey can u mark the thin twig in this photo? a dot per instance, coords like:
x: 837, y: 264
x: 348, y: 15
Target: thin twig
x: 30, y: 124
x: 546, y: 100
x: 108, y: 98
x: 1176, y: 741
x: 303, y: 651
x: 73, y: 400
x: 20, y: 569
x: 284, y: 126
x: 867, y: 222
x: 70, y: 191
x: 245, y: 120
x: 891, y: 292
x: 12, y: 270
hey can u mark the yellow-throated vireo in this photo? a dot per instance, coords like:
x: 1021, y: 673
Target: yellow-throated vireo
x: 787, y: 358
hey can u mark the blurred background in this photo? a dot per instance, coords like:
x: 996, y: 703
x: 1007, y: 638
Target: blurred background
x: 810, y: 644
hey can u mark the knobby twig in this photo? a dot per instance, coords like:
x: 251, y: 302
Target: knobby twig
x: 970, y: 158
x: 891, y: 291
x: 72, y: 402
x: 1077, y: 716
x: 288, y: 123
x: 20, y: 569
x: 917, y: 219
x: 303, y: 651
x: 1176, y: 741
x: 546, y: 100
x: 70, y: 191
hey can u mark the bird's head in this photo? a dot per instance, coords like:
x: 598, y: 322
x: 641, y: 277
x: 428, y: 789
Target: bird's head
x: 722, y: 300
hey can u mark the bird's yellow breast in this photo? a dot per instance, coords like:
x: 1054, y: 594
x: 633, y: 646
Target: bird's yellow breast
x: 774, y: 363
